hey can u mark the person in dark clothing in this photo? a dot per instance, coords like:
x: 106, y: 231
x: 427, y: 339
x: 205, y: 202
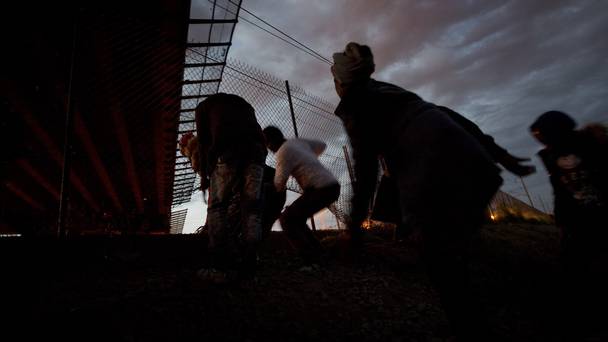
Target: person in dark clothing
x: 274, y: 201
x: 232, y: 143
x: 577, y: 163
x: 299, y: 158
x: 387, y: 194
x: 444, y: 176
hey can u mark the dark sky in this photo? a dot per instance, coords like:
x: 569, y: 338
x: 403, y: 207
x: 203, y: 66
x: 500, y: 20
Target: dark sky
x: 501, y: 63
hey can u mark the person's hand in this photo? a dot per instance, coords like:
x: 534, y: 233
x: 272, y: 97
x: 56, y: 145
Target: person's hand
x: 514, y: 165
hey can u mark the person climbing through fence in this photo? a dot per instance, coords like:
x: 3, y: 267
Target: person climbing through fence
x: 232, y: 143
x: 299, y: 158
x: 444, y: 176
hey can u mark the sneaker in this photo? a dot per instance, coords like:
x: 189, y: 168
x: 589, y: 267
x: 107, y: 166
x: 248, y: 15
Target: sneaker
x: 310, y: 268
x: 213, y: 276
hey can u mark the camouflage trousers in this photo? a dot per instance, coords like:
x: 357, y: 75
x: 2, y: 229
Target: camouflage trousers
x: 234, y: 215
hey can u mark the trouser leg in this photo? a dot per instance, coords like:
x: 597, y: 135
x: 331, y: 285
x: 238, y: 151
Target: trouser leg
x: 293, y: 219
x: 222, y: 246
x: 251, y: 217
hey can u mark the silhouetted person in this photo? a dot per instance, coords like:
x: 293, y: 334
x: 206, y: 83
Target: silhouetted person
x: 444, y: 176
x: 273, y: 201
x: 232, y: 143
x: 388, y: 195
x: 577, y: 162
x: 299, y: 158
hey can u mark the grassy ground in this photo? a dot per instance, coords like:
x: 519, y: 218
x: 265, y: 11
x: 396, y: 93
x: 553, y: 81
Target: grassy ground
x: 128, y: 292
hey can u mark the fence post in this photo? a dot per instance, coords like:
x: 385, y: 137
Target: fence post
x: 526, y: 190
x: 293, y: 115
x: 68, y: 137
x: 351, y: 172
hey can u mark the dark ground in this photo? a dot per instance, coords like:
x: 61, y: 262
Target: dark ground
x: 145, y: 289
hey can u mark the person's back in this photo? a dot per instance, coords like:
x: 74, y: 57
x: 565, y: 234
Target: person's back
x: 228, y: 128
x: 299, y: 158
x: 422, y: 141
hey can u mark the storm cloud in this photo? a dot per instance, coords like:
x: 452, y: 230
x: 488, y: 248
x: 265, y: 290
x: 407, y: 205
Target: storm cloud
x: 500, y: 63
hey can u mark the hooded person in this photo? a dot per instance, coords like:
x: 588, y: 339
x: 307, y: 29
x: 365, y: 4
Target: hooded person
x: 445, y: 177
x: 577, y: 163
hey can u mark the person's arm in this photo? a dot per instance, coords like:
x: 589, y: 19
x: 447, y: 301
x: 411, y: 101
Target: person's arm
x: 283, y: 169
x: 498, y: 153
x: 317, y: 146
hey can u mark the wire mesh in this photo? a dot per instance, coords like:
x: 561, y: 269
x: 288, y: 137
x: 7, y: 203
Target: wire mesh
x: 314, y: 120
x: 209, y: 38
x: 268, y: 95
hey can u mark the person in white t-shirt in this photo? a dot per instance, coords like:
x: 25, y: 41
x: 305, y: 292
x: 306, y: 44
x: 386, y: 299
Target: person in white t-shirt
x: 299, y: 158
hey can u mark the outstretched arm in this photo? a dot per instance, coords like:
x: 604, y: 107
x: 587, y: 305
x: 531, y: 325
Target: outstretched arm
x: 499, y: 154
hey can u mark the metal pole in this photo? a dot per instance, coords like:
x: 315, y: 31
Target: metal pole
x: 351, y: 172
x: 67, y: 138
x: 312, y: 222
x: 293, y: 115
x: 526, y: 190
x: 295, y: 129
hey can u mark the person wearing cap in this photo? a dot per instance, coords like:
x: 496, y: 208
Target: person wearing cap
x: 445, y: 177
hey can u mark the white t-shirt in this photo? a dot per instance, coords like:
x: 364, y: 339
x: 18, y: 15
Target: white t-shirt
x: 298, y: 158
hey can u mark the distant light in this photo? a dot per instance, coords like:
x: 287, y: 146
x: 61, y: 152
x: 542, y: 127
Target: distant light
x: 9, y: 235
x: 493, y: 217
x: 367, y: 224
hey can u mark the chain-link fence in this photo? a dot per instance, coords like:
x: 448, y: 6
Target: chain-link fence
x: 314, y: 119
x: 314, y: 116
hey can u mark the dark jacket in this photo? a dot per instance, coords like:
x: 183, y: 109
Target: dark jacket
x: 439, y: 167
x: 578, y: 171
x: 227, y: 127
x: 386, y: 201
x: 487, y: 141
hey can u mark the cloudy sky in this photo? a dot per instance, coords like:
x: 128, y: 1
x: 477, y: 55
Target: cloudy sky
x: 500, y: 63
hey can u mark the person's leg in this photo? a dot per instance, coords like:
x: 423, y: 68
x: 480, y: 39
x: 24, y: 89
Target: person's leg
x: 222, y: 248
x: 251, y: 217
x: 293, y: 220
x: 447, y: 262
x: 273, y: 203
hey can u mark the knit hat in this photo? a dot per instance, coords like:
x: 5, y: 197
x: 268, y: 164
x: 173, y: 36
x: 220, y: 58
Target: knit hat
x: 355, y: 64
